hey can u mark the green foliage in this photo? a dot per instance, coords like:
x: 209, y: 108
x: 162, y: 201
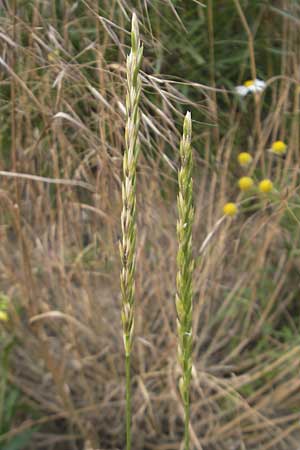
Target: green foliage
x: 11, y: 400
x: 11, y: 403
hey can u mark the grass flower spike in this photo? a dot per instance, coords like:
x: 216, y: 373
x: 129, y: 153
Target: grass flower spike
x: 245, y: 183
x: 244, y: 159
x: 185, y: 265
x: 128, y: 216
x: 250, y: 86
x: 230, y: 209
x: 265, y: 186
x: 279, y: 148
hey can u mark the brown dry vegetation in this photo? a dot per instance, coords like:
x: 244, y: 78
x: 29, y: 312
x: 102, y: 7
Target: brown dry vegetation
x: 62, y: 118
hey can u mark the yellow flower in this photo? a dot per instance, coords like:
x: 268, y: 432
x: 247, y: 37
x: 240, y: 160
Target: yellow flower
x: 266, y: 186
x: 248, y: 83
x: 230, y: 209
x: 245, y: 183
x: 279, y: 148
x: 244, y: 159
x: 3, y: 316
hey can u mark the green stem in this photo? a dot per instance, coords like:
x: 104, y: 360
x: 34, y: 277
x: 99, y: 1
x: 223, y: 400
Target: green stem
x: 128, y: 403
x: 187, y: 424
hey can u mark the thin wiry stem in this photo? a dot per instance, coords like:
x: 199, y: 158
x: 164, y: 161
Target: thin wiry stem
x: 128, y: 402
x: 128, y: 216
x: 185, y: 265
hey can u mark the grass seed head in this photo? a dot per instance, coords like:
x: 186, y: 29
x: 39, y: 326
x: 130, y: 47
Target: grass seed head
x: 185, y: 262
x: 128, y: 215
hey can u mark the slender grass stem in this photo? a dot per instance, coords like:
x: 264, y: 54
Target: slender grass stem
x: 128, y: 401
x: 187, y: 423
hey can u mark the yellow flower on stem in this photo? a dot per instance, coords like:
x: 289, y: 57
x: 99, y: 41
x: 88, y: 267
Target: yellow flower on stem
x: 244, y: 159
x: 230, y: 209
x: 279, y: 148
x: 245, y: 183
x: 265, y: 186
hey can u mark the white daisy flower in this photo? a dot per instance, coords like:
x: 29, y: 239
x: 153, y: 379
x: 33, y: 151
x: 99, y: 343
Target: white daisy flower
x: 252, y: 86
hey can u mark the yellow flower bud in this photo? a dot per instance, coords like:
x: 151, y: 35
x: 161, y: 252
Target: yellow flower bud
x: 245, y: 183
x: 244, y: 159
x: 279, y: 148
x: 265, y: 186
x: 230, y: 209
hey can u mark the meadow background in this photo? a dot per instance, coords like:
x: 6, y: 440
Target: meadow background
x: 62, y: 96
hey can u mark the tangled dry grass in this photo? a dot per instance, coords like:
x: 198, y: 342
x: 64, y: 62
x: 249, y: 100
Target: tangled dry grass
x: 62, y: 109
